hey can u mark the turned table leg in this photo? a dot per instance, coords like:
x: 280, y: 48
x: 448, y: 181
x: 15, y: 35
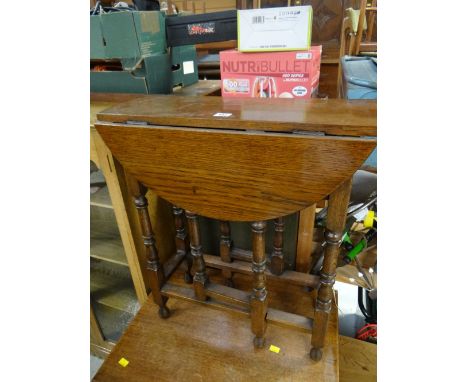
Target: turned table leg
x: 336, y: 218
x: 225, y: 249
x: 277, y: 260
x: 258, y: 302
x: 155, y: 268
x: 182, y: 241
x: 200, y: 279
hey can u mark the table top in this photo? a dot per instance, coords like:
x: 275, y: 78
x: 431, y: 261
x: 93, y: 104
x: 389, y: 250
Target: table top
x: 332, y: 116
x: 200, y: 343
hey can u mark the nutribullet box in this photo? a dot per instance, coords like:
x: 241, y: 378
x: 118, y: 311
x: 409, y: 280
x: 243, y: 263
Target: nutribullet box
x: 292, y: 74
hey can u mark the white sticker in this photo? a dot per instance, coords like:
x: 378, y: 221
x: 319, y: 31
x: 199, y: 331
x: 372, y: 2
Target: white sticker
x: 225, y: 115
x: 188, y: 67
x: 299, y: 91
x: 303, y: 56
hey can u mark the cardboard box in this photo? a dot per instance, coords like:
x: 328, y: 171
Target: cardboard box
x: 274, y: 29
x: 270, y: 75
x: 154, y: 76
x: 127, y: 35
x: 184, y: 65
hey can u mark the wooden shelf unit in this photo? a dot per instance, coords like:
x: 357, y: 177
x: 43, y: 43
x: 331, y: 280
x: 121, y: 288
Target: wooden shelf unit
x: 117, y: 284
x: 108, y: 247
x: 101, y: 198
x: 113, y: 287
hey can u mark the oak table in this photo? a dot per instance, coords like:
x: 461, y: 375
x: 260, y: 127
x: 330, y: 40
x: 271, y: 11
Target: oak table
x: 240, y: 160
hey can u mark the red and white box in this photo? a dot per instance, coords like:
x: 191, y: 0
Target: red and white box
x: 292, y: 74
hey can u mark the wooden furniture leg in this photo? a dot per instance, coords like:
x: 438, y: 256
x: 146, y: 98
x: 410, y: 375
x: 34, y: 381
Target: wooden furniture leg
x: 225, y: 249
x: 336, y: 218
x: 182, y: 242
x: 155, y: 268
x: 258, y: 302
x: 277, y: 260
x: 200, y: 279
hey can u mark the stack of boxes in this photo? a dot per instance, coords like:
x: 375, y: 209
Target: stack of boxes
x: 129, y: 54
x: 274, y: 58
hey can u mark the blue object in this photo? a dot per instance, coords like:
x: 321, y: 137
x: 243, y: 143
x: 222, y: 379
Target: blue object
x: 359, y: 77
x: 359, y: 81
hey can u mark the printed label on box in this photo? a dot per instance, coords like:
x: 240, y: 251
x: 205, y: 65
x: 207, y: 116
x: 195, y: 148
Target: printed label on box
x: 188, y: 67
x: 236, y: 85
x: 280, y: 29
x: 303, y: 56
x: 270, y: 75
x: 201, y: 28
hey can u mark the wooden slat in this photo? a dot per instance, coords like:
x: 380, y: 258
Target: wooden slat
x: 188, y: 294
x: 296, y: 278
x: 228, y: 294
x: 241, y: 254
x: 274, y: 316
x: 290, y: 320
x: 108, y: 247
x: 172, y: 263
x: 113, y: 292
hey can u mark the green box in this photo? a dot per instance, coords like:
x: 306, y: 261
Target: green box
x: 154, y: 76
x: 129, y: 35
x: 184, y: 65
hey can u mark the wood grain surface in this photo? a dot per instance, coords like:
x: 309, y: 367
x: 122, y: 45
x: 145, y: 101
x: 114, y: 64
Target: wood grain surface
x: 202, y: 344
x: 358, y: 360
x: 232, y: 175
x: 332, y: 116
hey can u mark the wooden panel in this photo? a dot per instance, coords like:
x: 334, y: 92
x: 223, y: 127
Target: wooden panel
x: 328, y: 80
x: 216, y: 346
x: 277, y: 175
x: 305, y: 234
x: 207, y: 5
x: 358, y: 360
x: 333, y: 116
x: 110, y: 172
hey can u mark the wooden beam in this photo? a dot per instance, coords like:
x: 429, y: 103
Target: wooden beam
x: 274, y: 316
x: 296, y: 278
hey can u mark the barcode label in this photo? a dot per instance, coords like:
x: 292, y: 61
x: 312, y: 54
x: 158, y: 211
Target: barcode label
x: 258, y: 19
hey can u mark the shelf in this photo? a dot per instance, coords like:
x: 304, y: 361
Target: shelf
x: 101, y: 198
x: 111, y: 285
x: 112, y: 322
x: 107, y: 247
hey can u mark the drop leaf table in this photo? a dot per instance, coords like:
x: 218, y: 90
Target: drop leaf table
x: 240, y: 160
